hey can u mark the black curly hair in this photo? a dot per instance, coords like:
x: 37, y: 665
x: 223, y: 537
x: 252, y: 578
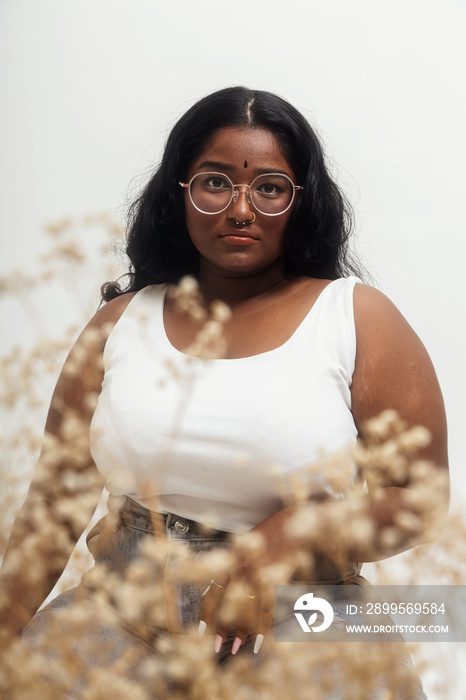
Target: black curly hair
x: 316, y: 240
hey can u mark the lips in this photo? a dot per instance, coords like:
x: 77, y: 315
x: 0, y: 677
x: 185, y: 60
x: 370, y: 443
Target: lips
x: 238, y: 233
x: 238, y: 238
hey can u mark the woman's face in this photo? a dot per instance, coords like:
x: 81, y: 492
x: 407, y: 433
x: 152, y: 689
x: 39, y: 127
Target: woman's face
x: 242, y: 153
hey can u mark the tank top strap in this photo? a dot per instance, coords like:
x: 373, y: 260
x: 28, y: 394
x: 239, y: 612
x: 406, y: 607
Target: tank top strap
x: 332, y: 314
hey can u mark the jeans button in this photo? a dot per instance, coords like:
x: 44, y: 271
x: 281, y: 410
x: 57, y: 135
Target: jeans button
x: 181, y: 526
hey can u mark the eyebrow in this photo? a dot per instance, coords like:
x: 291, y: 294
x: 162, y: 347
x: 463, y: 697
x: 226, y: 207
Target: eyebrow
x: 226, y: 167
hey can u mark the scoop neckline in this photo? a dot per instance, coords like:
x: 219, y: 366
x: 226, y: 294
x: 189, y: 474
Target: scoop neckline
x: 166, y: 340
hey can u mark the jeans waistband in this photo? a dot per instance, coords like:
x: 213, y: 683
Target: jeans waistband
x: 134, y: 515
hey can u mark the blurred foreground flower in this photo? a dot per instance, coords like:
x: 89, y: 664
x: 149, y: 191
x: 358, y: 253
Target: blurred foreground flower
x: 182, y: 665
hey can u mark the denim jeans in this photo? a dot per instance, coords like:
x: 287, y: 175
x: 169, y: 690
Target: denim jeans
x: 116, y: 543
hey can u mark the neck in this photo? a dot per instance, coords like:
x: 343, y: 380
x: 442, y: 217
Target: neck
x: 234, y: 287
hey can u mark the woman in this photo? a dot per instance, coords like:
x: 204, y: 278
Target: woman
x: 242, y: 202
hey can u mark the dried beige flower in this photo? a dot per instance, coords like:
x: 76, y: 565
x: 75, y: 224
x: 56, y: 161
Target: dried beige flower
x: 189, y: 669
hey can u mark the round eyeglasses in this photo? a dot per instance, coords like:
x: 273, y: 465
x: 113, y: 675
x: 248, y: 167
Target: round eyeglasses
x: 271, y: 194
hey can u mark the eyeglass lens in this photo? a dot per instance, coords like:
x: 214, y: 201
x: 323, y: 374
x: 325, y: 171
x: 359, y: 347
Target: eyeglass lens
x: 212, y: 193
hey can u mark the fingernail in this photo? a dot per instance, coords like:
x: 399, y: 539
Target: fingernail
x: 218, y: 643
x: 236, y: 645
x: 202, y: 628
x: 258, y: 643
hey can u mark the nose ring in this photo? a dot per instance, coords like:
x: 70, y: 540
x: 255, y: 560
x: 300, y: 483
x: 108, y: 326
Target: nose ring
x: 249, y: 221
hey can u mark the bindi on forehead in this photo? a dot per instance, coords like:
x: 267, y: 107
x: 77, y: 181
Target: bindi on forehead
x: 225, y: 152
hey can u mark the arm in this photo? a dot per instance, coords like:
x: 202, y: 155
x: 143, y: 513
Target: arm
x: 66, y: 485
x: 392, y: 371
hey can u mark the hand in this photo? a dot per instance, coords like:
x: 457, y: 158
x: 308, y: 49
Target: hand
x: 243, y: 598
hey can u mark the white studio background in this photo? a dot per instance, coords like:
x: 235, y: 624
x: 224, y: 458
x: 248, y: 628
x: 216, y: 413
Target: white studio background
x: 90, y: 88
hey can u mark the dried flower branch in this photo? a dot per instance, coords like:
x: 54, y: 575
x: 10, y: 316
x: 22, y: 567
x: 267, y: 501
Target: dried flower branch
x: 152, y: 665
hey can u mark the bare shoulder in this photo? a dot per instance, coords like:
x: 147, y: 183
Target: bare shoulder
x: 111, y: 312
x: 385, y: 340
x: 393, y: 369
x: 379, y: 322
x: 369, y: 301
x: 82, y: 372
x: 91, y: 343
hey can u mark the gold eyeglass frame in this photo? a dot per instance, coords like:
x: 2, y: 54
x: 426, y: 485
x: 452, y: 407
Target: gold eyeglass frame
x: 235, y: 192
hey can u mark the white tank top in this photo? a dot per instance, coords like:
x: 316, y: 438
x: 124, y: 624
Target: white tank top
x: 215, y: 440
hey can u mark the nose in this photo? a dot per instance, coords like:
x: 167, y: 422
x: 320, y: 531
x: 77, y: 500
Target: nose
x: 240, y: 207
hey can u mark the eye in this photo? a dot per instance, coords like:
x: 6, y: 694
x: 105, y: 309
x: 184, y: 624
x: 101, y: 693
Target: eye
x: 269, y: 188
x: 272, y: 193
x: 215, y: 182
